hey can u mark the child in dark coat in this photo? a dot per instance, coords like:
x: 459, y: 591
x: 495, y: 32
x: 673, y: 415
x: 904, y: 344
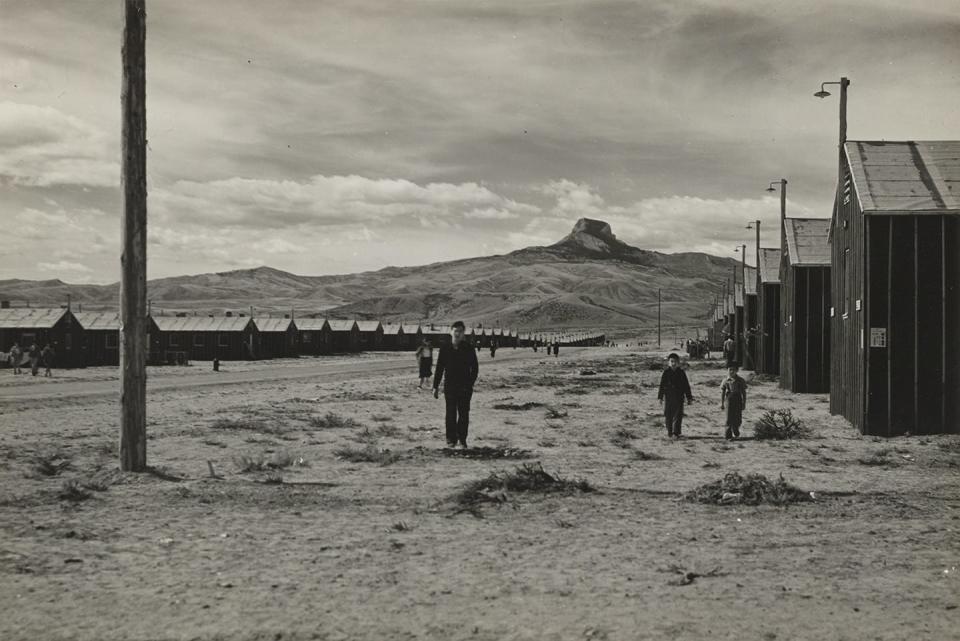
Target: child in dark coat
x: 733, y: 398
x: 674, y: 388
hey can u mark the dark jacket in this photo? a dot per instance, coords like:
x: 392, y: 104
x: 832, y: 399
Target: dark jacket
x: 459, y: 365
x: 674, y: 385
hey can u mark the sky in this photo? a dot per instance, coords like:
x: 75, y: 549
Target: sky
x: 336, y: 137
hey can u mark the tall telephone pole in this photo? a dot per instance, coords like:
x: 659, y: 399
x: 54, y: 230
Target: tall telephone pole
x: 133, y: 262
x: 658, y: 318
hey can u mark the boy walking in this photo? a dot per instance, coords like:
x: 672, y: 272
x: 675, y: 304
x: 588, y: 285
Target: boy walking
x: 425, y: 362
x: 674, y: 388
x: 15, y: 357
x: 733, y: 394
x: 458, y: 363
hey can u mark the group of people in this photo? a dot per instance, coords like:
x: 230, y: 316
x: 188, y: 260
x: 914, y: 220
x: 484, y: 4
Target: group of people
x: 35, y: 356
x: 457, y: 370
x: 675, y: 391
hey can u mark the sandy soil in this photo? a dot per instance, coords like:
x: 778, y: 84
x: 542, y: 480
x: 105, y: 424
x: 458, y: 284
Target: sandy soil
x: 343, y: 550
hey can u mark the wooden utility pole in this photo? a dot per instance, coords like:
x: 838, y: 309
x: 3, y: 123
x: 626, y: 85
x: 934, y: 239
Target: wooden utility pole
x: 133, y: 283
x: 658, y: 318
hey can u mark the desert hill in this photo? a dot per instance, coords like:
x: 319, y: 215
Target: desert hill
x: 587, y: 279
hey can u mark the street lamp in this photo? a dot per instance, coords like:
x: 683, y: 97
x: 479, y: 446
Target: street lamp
x: 823, y: 93
x: 783, y: 212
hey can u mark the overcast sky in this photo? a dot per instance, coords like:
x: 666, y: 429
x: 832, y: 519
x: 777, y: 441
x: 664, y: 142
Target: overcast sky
x: 330, y: 137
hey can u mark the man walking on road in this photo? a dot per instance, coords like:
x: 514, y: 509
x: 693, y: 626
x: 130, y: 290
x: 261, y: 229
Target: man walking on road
x: 458, y: 363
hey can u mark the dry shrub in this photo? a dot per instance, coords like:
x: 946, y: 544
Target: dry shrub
x: 381, y: 418
x: 368, y: 454
x: 752, y: 489
x: 249, y: 424
x: 517, y: 407
x: 640, y: 455
x: 489, y: 453
x: 780, y: 425
x: 547, y: 442
x: 622, y: 438
x: 879, y: 458
x: 50, y: 465
x: 388, y: 431
x: 332, y: 420
x: 259, y: 463
x: 556, y: 412
x: 273, y: 478
x: 528, y: 478
x: 73, y: 491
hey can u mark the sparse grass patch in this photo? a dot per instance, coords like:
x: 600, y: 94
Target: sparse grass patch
x: 752, y: 489
x: 213, y: 443
x: 273, y: 478
x: 880, y: 458
x: 640, y: 455
x: 547, y: 442
x: 517, y: 407
x: 365, y: 436
x: 259, y: 463
x: 586, y: 443
x: 387, y: 431
x: 381, y: 418
x: 249, y: 424
x: 489, y: 453
x: 332, y: 420
x: 51, y: 465
x: 623, y: 437
x: 74, y: 492
x: 368, y: 454
x: 554, y: 412
x: 780, y: 425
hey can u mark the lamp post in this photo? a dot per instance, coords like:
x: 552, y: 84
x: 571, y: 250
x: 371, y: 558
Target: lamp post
x: 823, y: 93
x: 783, y: 210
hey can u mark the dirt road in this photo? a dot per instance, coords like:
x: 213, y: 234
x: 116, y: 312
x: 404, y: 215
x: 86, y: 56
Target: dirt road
x: 201, y: 374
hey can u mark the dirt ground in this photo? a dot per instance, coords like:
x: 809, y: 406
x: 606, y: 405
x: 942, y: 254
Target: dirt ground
x: 319, y: 547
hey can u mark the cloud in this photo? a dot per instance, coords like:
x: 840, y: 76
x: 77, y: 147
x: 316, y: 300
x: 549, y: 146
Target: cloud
x: 330, y: 201
x: 64, y: 267
x: 41, y: 147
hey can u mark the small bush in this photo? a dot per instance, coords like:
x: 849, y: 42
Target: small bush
x: 365, y: 436
x: 878, y: 459
x: 752, y: 489
x: 248, y: 424
x: 381, y: 418
x: 74, y: 492
x: 780, y: 425
x: 623, y: 437
x: 369, y: 454
x: 547, y: 442
x: 50, y: 465
x: 273, y: 478
x: 528, y: 478
x: 259, y: 463
x: 489, y: 453
x: 640, y: 455
x: 556, y: 412
x: 332, y: 420
x: 518, y: 407
x: 388, y: 430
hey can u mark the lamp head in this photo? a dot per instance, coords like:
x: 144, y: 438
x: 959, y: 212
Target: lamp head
x: 770, y: 188
x: 823, y: 93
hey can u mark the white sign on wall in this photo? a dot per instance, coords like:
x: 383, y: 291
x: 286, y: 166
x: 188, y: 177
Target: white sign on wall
x: 878, y: 337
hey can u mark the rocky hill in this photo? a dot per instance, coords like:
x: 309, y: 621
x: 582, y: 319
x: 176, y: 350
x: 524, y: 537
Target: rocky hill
x: 587, y: 279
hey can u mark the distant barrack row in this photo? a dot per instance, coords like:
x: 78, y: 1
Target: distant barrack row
x: 82, y: 339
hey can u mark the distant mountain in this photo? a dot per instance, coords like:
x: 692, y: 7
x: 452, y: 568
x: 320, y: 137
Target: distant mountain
x: 587, y: 279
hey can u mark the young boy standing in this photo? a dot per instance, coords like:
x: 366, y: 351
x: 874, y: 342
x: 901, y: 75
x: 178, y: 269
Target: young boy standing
x: 733, y: 394
x: 674, y: 387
